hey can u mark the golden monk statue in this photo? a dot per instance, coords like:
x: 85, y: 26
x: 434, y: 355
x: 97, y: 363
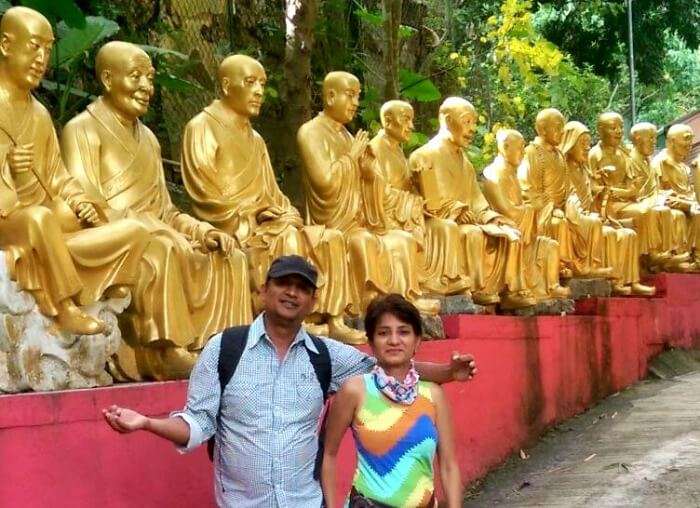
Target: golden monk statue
x: 617, y: 177
x: 488, y: 243
x: 400, y: 205
x: 229, y: 177
x: 193, y: 282
x: 546, y: 186
x: 502, y: 190
x: 621, y: 250
x: 335, y: 165
x: 46, y: 219
x: 677, y: 180
x: 646, y: 184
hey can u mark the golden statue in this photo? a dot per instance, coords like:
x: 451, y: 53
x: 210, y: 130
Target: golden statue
x: 502, y: 190
x: 678, y: 181
x: 47, y: 222
x: 229, y: 177
x: 621, y: 243
x: 646, y: 184
x: 545, y: 183
x: 193, y: 282
x: 487, y: 242
x: 335, y: 164
x: 614, y: 173
x: 400, y: 206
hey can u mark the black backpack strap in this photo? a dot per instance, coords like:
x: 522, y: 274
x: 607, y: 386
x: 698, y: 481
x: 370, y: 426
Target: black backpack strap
x: 321, y: 363
x: 233, y: 342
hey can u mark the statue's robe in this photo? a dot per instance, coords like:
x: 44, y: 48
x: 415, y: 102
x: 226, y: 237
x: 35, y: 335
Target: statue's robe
x: 448, y: 185
x: 612, y: 168
x: 545, y: 184
x: 44, y: 254
x: 183, y: 295
x: 381, y: 260
x: 400, y: 206
x: 621, y: 244
x: 228, y: 175
x: 540, y: 253
x: 676, y: 179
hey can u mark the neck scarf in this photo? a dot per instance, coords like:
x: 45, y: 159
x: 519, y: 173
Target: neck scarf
x: 402, y: 392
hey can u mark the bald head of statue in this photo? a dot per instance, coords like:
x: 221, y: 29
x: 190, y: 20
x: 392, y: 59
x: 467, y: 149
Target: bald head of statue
x: 458, y: 120
x: 242, y: 81
x: 341, y: 96
x: 549, y: 125
x: 126, y: 74
x: 679, y: 141
x: 26, y: 40
x: 511, y: 146
x: 643, y: 136
x: 397, y: 120
x: 610, y: 128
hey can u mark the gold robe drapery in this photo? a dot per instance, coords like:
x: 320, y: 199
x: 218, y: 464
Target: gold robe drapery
x: 228, y: 175
x: 46, y: 261
x: 183, y: 295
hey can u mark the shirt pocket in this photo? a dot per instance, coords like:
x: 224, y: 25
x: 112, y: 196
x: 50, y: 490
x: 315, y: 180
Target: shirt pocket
x: 308, y: 392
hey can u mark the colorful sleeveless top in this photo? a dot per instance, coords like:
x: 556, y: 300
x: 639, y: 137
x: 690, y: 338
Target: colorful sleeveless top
x: 396, y: 444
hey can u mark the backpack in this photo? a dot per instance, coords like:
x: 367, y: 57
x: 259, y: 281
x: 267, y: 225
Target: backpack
x: 233, y: 342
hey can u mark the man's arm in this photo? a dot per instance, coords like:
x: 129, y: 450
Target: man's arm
x: 125, y: 420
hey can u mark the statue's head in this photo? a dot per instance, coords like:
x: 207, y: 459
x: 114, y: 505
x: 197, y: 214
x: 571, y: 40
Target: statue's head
x: 610, y: 128
x: 511, y: 146
x: 26, y: 40
x: 549, y: 125
x: 576, y: 142
x: 643, y: 136
x: 397, y: 120
x: 126, y: 74
x: 679, y: 141
x: 341, y: 96
x: 242, y: 80
x: 458, y: 117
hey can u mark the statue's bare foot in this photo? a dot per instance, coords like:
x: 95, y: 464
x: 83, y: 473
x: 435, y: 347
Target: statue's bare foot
x: 117, y: 292
x: 483, y: 298
x: 560, y: 291
x: 517, y: 300
x: 338, y: 330
x: 429, y: 306
x: 74, y: 320
x: 605, y: 272
x: 318, y: 329
x: 621, y: 290
x: 642, y: 289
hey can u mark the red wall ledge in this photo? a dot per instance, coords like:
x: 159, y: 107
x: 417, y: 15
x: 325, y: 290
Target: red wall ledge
x: 55, y: 449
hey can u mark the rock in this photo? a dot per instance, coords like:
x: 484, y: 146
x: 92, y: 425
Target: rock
x: 36, y: 355
x: 587, y: 288
x: 553, y: 307
x: 460, y: 304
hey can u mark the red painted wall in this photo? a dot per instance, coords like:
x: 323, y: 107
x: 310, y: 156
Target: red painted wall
x: 56, y: 451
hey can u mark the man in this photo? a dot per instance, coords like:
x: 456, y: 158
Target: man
x: 228, y: 175
x: 266, y: 420
x: 193, y: 280
x: 47, y: 222
x: 335, y: 167
x: 487, y: 242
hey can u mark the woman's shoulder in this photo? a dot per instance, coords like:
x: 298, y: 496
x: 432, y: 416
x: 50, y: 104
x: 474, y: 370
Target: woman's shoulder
x: 354, y: 386
x: 430, y: 390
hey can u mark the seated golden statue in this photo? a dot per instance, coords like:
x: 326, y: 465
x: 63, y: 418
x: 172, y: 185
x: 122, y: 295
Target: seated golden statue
x: 621, y: 250
x: 502, y: 190
x: 46, y: 220
x: 677, y: 180
x: 334, y: 166
x: 393, y: 202
x: 487, y: 242
x: 545, y: 184
x: 193, y: 282
x: 229, y: 177
x: 614, y: 173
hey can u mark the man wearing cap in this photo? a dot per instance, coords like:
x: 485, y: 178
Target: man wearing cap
x: 266, y: 420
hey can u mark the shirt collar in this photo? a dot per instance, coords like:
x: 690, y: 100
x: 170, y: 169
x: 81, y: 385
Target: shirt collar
x: 257, y: 332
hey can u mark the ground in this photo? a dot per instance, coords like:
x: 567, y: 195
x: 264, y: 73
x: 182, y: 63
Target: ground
x: 637, y: 448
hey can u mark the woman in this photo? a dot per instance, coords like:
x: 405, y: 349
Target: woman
x: 398, y: 421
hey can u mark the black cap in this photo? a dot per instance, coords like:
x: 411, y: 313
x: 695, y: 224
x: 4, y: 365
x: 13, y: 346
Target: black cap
x: 293, y: 265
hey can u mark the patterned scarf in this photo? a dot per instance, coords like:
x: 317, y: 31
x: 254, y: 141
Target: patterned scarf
x: 402, y: 392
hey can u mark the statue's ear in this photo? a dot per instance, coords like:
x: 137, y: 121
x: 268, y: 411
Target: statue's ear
x: 330, y: 97
x: 4, y: 44
x: 225, y: 84
x: 106, y: 80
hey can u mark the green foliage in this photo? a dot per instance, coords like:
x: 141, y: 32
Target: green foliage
x: 417, y: 87
x: 74, y: 43
x: 59, y: 10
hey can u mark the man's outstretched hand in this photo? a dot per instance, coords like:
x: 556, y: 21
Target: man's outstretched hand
x: 124, y: 420
x: 462, y: 366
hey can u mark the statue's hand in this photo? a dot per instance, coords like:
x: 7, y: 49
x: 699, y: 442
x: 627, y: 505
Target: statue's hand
x: 558, y: 213
x: 466, y: 217
x: 124, y: 420
x: 21, y: 158
x: 87, y: 212
x: 218, y: 240
x: 359, y: 145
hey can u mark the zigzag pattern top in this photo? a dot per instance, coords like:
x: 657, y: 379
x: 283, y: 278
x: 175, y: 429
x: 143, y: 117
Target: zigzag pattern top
x: 396, y: 444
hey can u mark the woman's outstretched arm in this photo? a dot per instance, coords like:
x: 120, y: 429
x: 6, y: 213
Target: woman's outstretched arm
x: 449, y: 468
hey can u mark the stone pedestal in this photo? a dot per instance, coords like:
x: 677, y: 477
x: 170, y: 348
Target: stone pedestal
x: 587, y: 288
x: 36, y: 355
x: 552, y: 307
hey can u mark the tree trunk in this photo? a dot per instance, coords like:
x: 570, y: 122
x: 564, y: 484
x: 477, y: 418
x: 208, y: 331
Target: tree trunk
x: 392, y: 22
x: 300, y: 16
